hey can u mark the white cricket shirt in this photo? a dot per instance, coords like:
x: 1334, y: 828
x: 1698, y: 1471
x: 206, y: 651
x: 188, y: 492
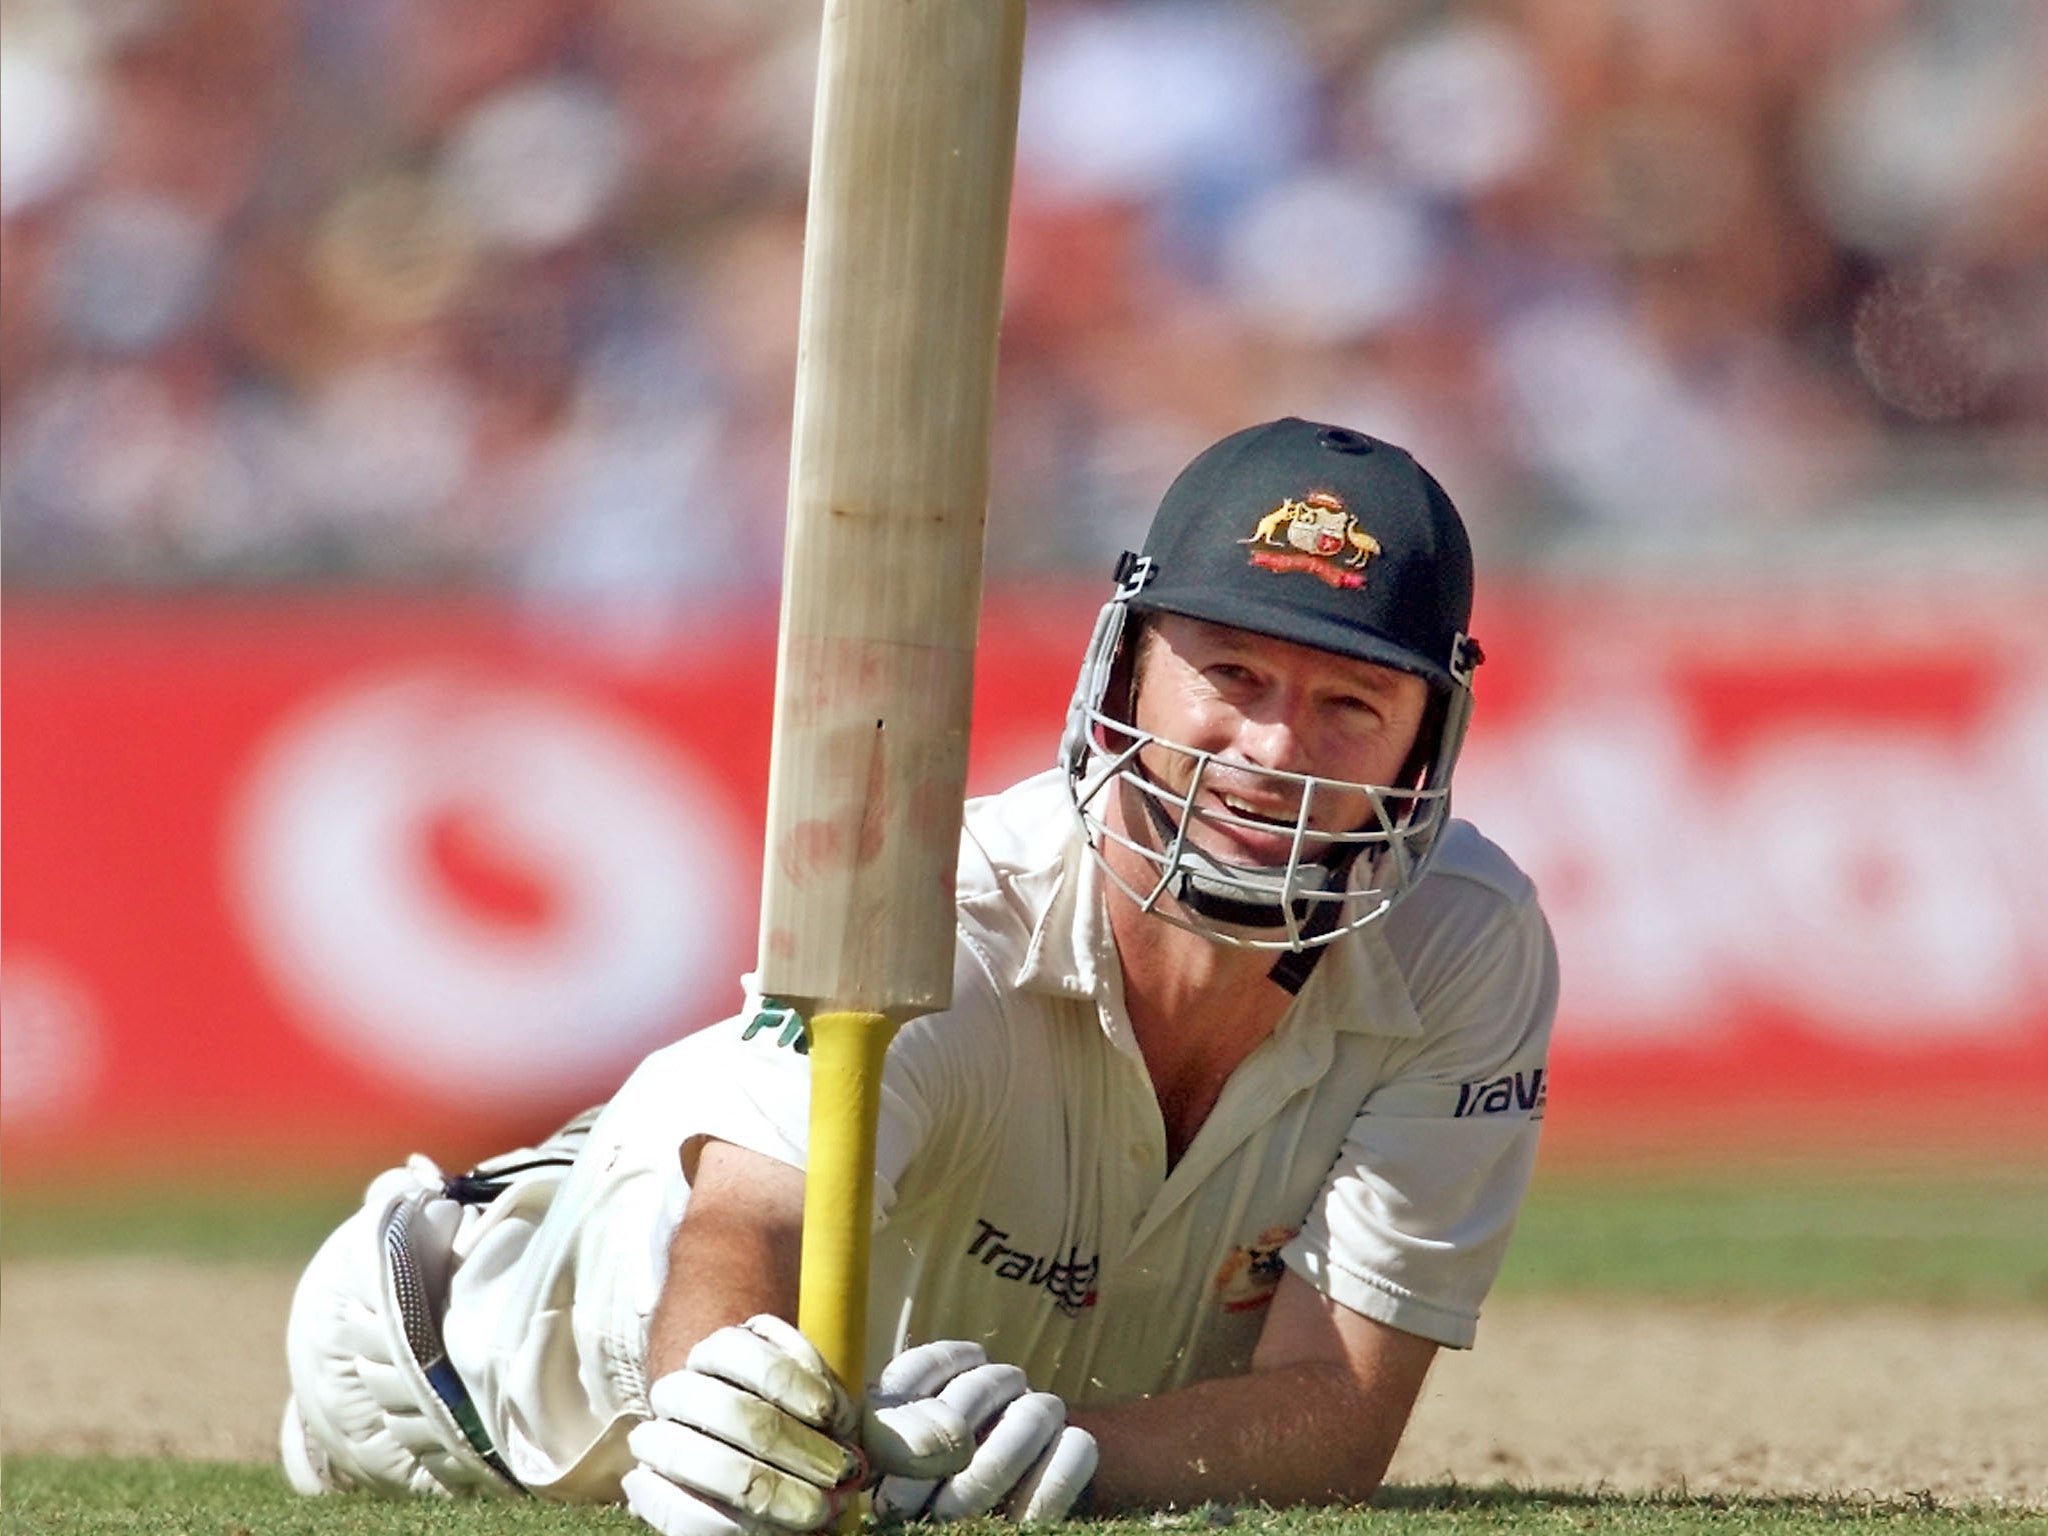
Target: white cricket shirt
x: 1378, y: 1144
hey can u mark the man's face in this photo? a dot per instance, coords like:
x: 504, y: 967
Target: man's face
x: 1260, y: 703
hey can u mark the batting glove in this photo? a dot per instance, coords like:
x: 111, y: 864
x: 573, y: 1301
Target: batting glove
x: 1029, y: 1465
x: 753, y: 1436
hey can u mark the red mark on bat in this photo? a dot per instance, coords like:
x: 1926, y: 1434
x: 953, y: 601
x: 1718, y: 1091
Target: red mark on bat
x: 810, y: 848
x: 874, y: 827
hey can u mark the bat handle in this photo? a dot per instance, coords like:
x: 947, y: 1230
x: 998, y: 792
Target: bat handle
x: 846, y: 1054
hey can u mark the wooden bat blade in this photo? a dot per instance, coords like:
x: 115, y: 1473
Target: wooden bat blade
x: 910, y: 183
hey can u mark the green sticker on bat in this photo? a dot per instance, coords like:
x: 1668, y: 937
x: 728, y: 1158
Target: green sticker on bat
x: 784, y: 1019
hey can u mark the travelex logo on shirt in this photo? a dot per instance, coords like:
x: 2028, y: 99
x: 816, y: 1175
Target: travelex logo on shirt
x: 1069, y: 1281
x: 1526, y: 1091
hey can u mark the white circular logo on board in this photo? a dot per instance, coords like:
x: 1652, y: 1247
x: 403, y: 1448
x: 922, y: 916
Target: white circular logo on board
x: 480, y: 887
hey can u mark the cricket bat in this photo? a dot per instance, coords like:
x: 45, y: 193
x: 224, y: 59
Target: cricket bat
x: 911, y: 159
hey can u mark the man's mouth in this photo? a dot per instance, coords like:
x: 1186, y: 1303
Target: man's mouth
x: 1265, y: 815
x: 1259, y: 832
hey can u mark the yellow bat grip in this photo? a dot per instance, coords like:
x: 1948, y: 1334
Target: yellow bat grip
x: 839, y: 1187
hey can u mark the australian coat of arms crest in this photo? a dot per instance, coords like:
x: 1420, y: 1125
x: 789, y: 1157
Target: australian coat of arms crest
x: 1315, y: 534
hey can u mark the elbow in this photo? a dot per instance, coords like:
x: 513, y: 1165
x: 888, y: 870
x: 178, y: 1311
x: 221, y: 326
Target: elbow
x: 1361, y: 1485
x: 1360, y: 1428
x: 1359, y: 1474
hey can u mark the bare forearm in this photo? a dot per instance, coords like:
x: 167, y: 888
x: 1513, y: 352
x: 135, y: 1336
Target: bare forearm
x: 734, y: 1255
x: 1296, y: 1434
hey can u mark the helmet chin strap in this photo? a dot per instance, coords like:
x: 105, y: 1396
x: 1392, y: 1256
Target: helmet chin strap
x: 1203, y: 888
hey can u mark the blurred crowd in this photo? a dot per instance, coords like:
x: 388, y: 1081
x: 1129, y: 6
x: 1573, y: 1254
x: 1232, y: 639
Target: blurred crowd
x: 505, y: 291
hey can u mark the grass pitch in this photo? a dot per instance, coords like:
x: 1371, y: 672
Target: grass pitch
x: 47, y: 1495
x: 1977, y: 1239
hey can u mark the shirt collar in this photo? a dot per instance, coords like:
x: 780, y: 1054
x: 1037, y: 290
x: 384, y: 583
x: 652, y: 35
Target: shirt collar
x: 1360, y: 967
x: 1071, y: 953
x: 1069, y: 939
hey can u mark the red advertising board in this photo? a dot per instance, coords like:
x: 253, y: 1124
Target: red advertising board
x: 329, y: 879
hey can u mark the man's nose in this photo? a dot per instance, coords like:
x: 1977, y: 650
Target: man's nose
x: 1271, y: 741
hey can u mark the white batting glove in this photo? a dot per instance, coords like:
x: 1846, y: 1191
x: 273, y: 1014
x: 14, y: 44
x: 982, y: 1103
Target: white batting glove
x: 907, y: 1429
x: 754, y: 1436
x: 1029, y: 1466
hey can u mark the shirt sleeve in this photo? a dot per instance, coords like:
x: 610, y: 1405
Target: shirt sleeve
x: 756, y: 1093
x: 1412, y: 1224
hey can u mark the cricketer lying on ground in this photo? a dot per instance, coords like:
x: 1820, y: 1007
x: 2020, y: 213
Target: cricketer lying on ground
x: 490, y: 1332
x: 1371, y: 1147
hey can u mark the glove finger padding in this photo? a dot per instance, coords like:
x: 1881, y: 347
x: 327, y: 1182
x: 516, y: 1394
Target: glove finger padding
x: 924, y: 1439
x: 754, y: 1426
x: 769, y: 1358
x: 897, y: 1499
x: 923, y: 1369
x: 1008, y: 1452
x: 707, y: 1470
x: 981, y: 1395
x: 908, y: 1431
x: 1019, y: 1435
x: 976, y: 1395
x: 751, y: 1437
x: 1050, y: 1489
x: 676, y: 1511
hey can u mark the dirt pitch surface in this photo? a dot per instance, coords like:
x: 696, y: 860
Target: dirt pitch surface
x: 148, y: 1357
